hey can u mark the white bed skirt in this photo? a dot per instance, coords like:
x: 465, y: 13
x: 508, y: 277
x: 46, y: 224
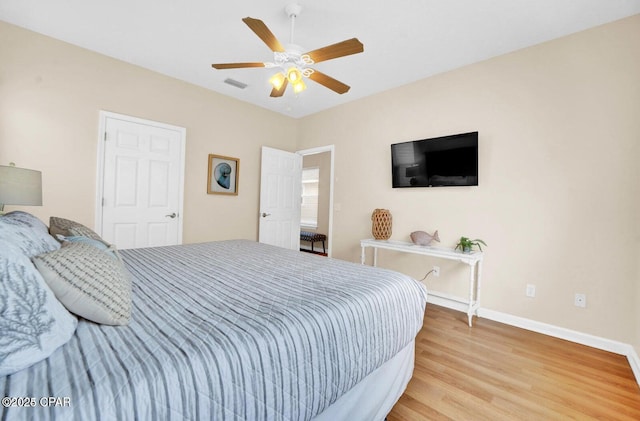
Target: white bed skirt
x: 376, y: 394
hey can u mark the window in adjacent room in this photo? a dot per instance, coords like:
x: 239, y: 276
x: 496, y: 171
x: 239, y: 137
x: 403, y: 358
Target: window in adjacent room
x: 309, y: 208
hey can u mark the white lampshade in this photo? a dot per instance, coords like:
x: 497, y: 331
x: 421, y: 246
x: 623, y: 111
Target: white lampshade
x: 19, y: 186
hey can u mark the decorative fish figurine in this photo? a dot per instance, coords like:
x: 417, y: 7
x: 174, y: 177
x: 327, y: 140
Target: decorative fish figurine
x: 422, y: 238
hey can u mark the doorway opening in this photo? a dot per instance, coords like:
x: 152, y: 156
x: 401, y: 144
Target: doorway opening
x: 316, y: 224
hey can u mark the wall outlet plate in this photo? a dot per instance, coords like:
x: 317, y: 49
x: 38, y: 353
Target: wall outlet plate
x: 531, y: 290
x: 436, y: 271
x: 580, y: 300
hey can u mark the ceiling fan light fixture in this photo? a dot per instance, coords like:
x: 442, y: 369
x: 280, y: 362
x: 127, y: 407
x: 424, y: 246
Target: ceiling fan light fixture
x: 294, y: 75
x: 299, y: 86
x: 277, y: 80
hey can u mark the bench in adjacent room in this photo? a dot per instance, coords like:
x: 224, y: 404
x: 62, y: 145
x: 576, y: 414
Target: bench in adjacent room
x: 312, y: 237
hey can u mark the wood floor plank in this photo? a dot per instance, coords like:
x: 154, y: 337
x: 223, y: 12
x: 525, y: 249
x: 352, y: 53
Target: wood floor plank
x: 494, y: 372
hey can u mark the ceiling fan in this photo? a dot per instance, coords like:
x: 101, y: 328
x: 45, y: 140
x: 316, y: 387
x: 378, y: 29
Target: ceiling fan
x: 292, y: 62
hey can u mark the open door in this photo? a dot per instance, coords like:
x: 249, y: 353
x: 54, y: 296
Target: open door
x: 280, y: 184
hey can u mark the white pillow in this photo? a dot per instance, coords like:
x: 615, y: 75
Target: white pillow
x: 33, y: 324
x: 26, y: 233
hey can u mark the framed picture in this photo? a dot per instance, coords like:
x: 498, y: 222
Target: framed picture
x: 223, y: 175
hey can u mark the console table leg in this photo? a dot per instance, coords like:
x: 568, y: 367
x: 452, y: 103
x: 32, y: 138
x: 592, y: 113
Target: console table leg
x: 472, y: 294
x: 362, y: 255
x: 479, y: 286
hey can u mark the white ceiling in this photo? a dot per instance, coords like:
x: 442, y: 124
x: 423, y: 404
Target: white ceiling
x: 404, y: 40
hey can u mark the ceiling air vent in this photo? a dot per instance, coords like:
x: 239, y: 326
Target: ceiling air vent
x: 235, y: 83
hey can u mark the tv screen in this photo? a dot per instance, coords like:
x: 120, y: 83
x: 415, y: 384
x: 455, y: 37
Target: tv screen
x: 437, y: 162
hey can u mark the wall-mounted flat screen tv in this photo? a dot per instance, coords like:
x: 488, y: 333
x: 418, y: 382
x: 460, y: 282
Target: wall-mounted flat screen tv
x: 437, y: 162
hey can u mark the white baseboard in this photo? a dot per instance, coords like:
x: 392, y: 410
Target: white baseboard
x: 448, y: 301
x: 547, y: 329
x: 634, y: 362
x: 556, y: 331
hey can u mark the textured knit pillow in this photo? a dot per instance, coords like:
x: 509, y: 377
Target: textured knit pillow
x: 68, y: 227
x: 90, y: 282
x: 33, y: 324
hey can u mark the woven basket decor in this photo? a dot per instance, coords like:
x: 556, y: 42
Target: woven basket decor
x: 381, y: 224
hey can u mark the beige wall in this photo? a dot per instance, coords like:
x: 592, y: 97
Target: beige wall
x: 50, y: 97
x: 559, y: 194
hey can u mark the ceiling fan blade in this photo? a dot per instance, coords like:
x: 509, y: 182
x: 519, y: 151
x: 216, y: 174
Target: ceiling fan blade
x: 275, y: 93
x: 221, y: 66
x: 329, y: 82
x: 261, y: 30
x: 341, y: 49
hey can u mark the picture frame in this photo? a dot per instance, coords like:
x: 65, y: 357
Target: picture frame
x: 223, y: 175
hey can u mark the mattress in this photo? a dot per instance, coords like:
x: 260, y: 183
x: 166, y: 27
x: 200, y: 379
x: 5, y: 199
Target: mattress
x: 231, y: 330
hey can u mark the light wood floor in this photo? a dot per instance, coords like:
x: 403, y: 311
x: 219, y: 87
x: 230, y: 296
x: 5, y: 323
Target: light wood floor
x: 494, y: 372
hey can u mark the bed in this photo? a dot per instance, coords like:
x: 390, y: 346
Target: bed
x: 232, y: 330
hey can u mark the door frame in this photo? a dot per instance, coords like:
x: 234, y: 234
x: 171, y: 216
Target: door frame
x: 102, y: 131
x: 321, y: 149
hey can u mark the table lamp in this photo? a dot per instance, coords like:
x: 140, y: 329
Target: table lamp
x: 19, y: 186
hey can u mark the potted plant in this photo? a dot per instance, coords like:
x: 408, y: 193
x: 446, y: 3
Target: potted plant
x: 466, y: 245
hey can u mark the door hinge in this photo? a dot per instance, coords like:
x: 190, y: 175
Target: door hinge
x: 103, y: 202
x: 105, y: 136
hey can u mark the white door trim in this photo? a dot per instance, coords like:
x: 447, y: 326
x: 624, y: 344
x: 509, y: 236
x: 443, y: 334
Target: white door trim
x: 102, y: 128
x: 331, y: 149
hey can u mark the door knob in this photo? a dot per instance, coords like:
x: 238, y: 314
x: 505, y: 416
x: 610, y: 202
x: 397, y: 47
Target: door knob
x: 264, y: 214
x: 173, y: 215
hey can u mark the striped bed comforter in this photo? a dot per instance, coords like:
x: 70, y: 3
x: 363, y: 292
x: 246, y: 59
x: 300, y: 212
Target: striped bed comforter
x: 231, y: 330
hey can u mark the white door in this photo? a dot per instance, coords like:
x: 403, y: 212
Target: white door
x: 143, y: 174
x: 280, y: 184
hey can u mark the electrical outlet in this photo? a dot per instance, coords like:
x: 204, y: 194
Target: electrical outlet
x: 531, y: 290
x: 580, y: 300
x: 436, y: 271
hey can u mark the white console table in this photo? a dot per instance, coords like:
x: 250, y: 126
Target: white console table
x: 474, y: 260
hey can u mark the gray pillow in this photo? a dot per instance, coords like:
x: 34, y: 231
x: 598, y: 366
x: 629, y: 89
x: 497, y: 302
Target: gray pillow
x: 67, y: 227
x: 88, y: 281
